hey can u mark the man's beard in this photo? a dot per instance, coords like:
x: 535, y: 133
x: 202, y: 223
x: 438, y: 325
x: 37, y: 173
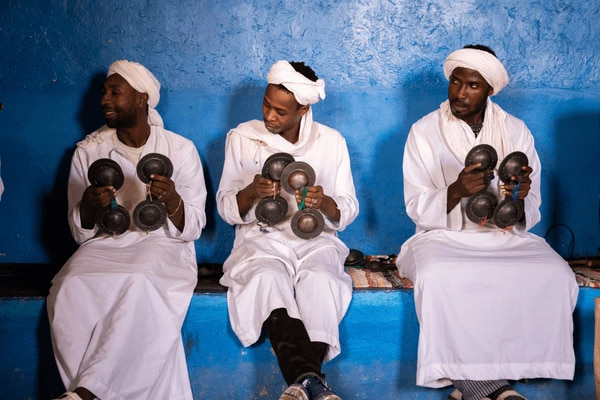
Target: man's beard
x: 124, y: 120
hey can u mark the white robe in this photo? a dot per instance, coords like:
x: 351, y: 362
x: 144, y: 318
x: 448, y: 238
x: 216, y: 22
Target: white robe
x: 491, y: 304
x: 272, y: 268
x: 117, y: 306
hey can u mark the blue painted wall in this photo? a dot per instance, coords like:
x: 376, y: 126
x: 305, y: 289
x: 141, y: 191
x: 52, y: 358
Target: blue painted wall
x: 381, y: 60
x: 378, y: 361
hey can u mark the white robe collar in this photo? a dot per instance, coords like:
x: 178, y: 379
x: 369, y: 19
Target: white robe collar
x: 460, y: 138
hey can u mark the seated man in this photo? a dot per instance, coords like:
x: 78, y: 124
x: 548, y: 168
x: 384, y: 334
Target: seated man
x: 117, y: 306
x: 493, y: 304
x: 295, y: 289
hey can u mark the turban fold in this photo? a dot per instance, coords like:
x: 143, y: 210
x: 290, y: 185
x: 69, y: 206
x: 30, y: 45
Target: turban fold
x: 490, y: 68
x: 305, y: 91
x: 143, y: 81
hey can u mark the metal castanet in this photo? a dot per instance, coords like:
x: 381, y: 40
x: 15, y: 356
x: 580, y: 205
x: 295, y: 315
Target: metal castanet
x: 150, y: 214
x: 297, y: 175
x: 275, y: 164
x: 508, y: 213
x: 511, y: 209
x: 106, y: 172
x: 481, y: 206
x: 483, y: 154
x: 114, y: 219
x: 512, y: 165
x: 154, y: 163
x: 271, y: 210
x: 307, y: 223
x: 355, y: 258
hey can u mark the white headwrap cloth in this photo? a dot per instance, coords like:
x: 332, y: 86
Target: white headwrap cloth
x: 305, y: 91
x: 490, y: 68
x: 457, y: 134
x: 142, y: 80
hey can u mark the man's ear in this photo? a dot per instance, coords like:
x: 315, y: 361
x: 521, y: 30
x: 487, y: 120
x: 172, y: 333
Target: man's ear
x: 303, y: 109
x: 490, y: 91
x: 143, y: 100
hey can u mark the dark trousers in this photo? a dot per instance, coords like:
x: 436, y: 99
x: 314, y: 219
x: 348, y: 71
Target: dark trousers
x: 478, y: 389
x: 296, y: 354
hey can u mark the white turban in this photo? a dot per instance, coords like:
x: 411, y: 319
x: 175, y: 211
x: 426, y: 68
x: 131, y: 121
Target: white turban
x: 305, y: 91
x: 481, y: 61
x: 143, y: 81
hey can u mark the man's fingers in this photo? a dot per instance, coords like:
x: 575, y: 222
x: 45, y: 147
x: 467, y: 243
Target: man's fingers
x: 472, y: 167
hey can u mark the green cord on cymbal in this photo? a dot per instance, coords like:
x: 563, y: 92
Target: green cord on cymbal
x: 302, y: 205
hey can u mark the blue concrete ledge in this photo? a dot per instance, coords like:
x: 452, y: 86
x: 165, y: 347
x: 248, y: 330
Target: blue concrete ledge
x: 379, y: 349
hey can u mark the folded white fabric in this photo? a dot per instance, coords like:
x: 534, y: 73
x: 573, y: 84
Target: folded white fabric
x: 142, y: 80
x: 490, y: 68
x: 305, y: 91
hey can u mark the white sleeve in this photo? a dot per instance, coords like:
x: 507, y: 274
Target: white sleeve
x: 190, y: 185
x: 425, y: 191
x: 344, y: 193
x: 232, y: 181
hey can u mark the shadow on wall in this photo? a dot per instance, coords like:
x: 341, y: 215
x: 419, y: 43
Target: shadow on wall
x: 572, y: 181
x: 54, y: 203
x: 49, y: 383
x: 55, y: 234
x: 90, y: 113
x: 388, y: 214
x: 244, y: 104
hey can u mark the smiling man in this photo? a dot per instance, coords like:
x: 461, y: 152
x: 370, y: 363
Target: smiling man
x: 295, y: 289
x: 117, y: 305
x: 493, y: 304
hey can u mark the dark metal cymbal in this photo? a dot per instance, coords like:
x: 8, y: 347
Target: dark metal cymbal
x: 297, y: 175
x: 271, y: 210
x: 154, y: 163
x: 512, y: 166
x: 355, y: 257
x: 149, y: 214
x: 114, y: 220
x: 484, y: 154
x: 508, y: 213
x: 106, y: 172
x: 379, y: 266
x: 275, y: 164
x: 480, y: 207
x: 307, y: 223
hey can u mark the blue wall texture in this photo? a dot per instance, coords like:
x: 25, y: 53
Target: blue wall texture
x: 382, y: 63
x: 378, y: 361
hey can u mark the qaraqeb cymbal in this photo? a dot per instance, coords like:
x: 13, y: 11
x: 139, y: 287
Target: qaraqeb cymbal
x: 150, y: 214
x: 307, y: 223
x: 271, y: 210
x: 483, y: 154
x: 297, y: 175
x: 106, y: 172
x: 154, y: 163
x: 512, y: 165
x: 275, y: 164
